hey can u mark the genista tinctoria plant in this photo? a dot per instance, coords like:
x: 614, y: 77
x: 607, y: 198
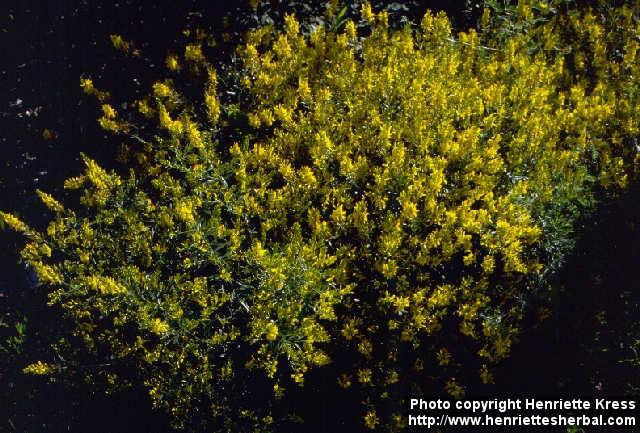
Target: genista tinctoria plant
x: 383, y: 212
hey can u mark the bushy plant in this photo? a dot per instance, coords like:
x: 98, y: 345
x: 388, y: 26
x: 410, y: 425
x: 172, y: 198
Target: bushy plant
x: 381, y: 205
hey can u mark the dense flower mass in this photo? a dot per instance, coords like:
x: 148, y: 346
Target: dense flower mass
x: 386, y: 211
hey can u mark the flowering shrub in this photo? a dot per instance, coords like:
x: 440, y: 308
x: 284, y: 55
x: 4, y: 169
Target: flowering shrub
x: 383, y: 209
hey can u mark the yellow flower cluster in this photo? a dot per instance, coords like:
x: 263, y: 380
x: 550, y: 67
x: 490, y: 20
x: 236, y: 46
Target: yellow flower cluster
x: 87, y: 86
x: 172, y: 62
x: 423, y: 158
x: 38, y: 368
x: 126, y: 47
x: 193, y: 53
x: 105, y: 285
x: 108, y: 120
x: 158, y: 326
x: 13, y: 222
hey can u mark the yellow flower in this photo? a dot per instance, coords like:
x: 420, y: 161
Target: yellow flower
x: 50, y: 202
x: 105, y: 285
x: 97, y: 175
x: 392, y: 377
x: 488, y: 264
x: 159, y: 327
x: 213, y: 106
x: 193, y: 53
x: 360, y: 215
x: 13, y: 222
x: 367, y: 13
x: 162, y: 90
x: 86, y: 84
x: 46, y: 273
x: 291, y: 25
x: 338, y: 215
x: 350, y: 330
x: 364, y: 376
x: 38, y: 368
x: 371, y: 420
x: 409, y: 210
x: 88, y: 87
x: 172, y: 62
x: 108, y: 111
x: 303, y: 87
x: 444, y: 357
x: 454, y: 389
x: 144, y: 108
x: 365, y: 347
x: 278, y: 390
x: 307, y: 177
x: 119, y: 43
x: 298, y: 377
x: 225, y: 275
x: 344, y: 380
x: 389, y: 268
x: 271, y: 331
x: 350, y: 29
x: 45, y: 250
x: 193, y: 134
x: 173, y: 126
